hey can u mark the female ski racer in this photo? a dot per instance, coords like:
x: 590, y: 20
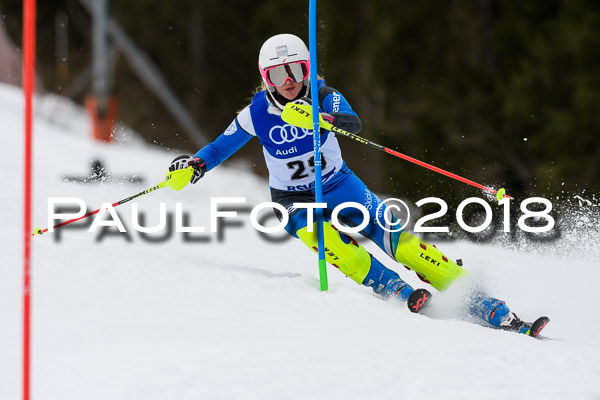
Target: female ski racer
x: 283, y: 63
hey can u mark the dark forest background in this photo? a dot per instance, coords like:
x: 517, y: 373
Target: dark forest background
x: 506, y: 93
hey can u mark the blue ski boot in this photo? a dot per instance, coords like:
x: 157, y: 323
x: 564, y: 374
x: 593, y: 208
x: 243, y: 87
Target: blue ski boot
x: 496, y: 313
x: 388, y: 284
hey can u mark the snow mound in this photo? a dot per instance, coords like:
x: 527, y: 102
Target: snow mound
x: 231, y: 316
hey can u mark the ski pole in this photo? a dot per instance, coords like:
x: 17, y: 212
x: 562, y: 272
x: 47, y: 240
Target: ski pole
x: 301, y: 115
x: 176, y: 180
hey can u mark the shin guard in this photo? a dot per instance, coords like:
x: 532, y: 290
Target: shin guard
x: 427, y: 261
x: 341, y: 251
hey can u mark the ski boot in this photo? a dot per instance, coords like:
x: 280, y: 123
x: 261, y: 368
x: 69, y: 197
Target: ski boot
x: 514, y: 324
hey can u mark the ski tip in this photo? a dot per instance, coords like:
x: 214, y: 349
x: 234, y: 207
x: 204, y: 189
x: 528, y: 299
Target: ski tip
x: 418, y: 300
x: 537, y: 326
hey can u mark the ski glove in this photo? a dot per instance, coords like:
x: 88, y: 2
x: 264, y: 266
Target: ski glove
x: 185, y: 161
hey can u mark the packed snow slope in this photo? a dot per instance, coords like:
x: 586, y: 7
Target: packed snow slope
x: 203, y: 316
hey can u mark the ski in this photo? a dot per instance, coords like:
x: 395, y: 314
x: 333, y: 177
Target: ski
x: 532, y: 329
x: 537, y: 326
x: 418, y: 300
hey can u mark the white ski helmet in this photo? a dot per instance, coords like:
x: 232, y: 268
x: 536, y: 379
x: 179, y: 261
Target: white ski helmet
x: 290, y: 54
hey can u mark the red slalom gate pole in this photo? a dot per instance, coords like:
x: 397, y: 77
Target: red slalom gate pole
x: 28, y: 89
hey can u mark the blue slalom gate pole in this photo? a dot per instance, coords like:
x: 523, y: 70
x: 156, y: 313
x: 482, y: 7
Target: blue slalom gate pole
x: 312, y: 45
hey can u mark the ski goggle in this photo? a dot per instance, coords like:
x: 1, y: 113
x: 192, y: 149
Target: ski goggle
x: 277, y: 75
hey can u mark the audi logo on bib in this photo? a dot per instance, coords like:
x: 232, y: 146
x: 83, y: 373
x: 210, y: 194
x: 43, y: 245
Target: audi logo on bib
x: 287, y: 133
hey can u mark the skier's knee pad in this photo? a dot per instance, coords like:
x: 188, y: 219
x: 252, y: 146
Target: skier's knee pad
x: 427, y: 261
x: 341, y: 251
